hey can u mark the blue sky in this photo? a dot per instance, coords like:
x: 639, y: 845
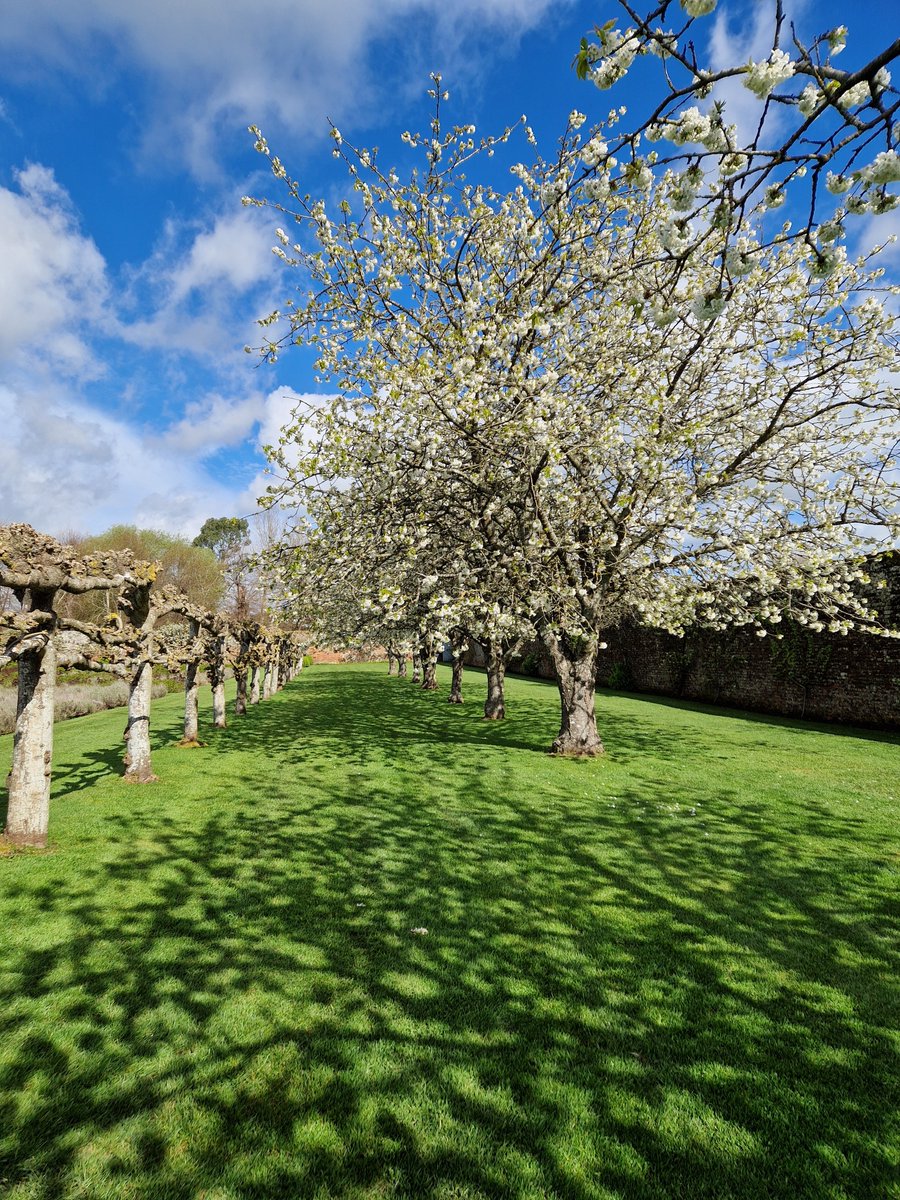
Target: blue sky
x: 130, y: 274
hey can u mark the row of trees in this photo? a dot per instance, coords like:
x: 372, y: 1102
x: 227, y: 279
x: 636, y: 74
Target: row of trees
x: 610, y: 390
x: 144, y: 624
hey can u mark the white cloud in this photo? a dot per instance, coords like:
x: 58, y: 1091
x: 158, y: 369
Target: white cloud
x: 66, y: 463
x: 211, y: 64
x: 214, y: 423
x: 203, y: 288
x: 53, y: 281
x: 235, y: 253
x: 65, y: 466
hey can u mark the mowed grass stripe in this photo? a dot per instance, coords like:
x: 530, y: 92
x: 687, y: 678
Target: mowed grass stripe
x: 669, y: 973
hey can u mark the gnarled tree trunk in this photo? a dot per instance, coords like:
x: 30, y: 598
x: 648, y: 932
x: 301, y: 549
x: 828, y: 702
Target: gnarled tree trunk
x: 575, y: 664
x: 254, y: 683
x: 429, y: 664
x: 138, y: 766
x: 191, y: 706
x: 240, y: 699
x: 495, y: 666
x: 28, y: 813
x: 392, y: 658
x: 217, y: 681
x: 459, y: 644
x: 417, y: 669
x: 267, y: 681
x: 401, y: 666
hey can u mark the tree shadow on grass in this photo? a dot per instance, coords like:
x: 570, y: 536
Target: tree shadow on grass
x: 393, y: 713
x: 605, y: 1004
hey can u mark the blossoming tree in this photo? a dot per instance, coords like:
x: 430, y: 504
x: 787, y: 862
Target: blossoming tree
x: 609, y: 422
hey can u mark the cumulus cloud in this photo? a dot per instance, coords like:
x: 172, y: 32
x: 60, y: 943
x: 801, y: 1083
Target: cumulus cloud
x: 68, y: 457
x: 64, y: 465
x: 203, y: 287
x: 215, y: 423
x: 53, y: 283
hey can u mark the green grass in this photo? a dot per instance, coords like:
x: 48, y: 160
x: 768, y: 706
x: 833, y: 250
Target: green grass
x: 669, y: 973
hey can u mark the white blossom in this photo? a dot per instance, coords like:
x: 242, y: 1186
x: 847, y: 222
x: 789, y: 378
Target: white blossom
x: 838, y: 184
x: 763, y: 77
x: 884, y: 169
x: 809, y: 100
x: 837, y: 39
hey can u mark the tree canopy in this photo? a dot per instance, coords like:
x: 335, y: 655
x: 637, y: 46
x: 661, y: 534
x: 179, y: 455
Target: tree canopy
x: 610, y: 390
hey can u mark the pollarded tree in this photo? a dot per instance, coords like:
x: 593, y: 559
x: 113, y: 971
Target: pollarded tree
x: 654, y: 433
x: 39, y: 571
x: 192, y: 570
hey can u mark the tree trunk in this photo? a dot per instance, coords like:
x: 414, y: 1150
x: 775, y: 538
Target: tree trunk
x: 267, y: 682
x: 191, y: 708
x: 138, y: 767
x: 460, y: 645
x: 28, y: 813
x: 254, y: 684
x: 218, y: 691
x: 240, y: 699
x: 417, y: 669
x: 495, y: 665
x: 429, y: 665
x: 401, y: 666
x: 391, y: 660
x: 575, y: 664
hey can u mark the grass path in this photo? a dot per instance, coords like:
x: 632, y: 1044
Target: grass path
x: 670, y: 973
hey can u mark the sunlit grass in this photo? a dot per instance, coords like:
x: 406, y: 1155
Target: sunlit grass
x: 669, y: 973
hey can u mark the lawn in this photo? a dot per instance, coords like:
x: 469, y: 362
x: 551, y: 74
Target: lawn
x: 672, y: 972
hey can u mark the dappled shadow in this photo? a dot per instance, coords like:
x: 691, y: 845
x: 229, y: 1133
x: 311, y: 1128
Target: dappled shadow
x: 618, y: 995
x: 394, y: 712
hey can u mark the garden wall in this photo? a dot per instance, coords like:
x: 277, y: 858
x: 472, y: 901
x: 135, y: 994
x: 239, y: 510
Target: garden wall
x: 853, y: 679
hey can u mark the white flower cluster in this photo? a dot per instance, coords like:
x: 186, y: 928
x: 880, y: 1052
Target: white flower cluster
x: 614, y: 58
x: 639, y: 175
x: 885, y: 168
x: 732, y: 163
x: 763, y: 77
x: 676, y: 236
x: 774, y: 196
x: 683, y: 189
x: 856, y: 95
x: 830, y: 231
x: 707, y: 308
x: 662, y: 314
x: 826, y: 262
x: 597, y: 189
x: 593, y: 153
x: 662, y: 44
x: 692, y: 126
x: 838, y: 184
x: 738, y: 259
x: 809, y: 100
